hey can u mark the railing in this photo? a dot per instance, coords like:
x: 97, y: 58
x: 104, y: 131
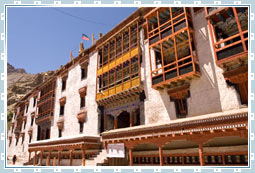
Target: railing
x: 46, y: 97
x: 44, y: 115
x: 118, y: 88
x: 225, y: 49
x: 118, y: 61
x: 230, y: 158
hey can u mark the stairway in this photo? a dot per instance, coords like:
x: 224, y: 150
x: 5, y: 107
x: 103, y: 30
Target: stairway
x: 100, y: 159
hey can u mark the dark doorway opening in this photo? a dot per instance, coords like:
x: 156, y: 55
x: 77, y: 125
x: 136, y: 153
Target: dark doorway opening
x: 123, y: 120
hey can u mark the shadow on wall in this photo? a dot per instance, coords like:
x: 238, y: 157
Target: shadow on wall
x: 169, y: 106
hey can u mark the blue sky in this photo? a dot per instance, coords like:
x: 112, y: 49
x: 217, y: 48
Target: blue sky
x: 40, y: 39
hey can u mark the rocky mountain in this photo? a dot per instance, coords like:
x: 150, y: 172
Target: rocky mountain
x: 11, y: 69
x: 19, y: 83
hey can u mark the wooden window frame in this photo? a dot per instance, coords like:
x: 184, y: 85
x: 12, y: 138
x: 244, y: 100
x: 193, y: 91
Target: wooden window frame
x: 186, y: 19
x: 119, y: 48
x: 216, y: 43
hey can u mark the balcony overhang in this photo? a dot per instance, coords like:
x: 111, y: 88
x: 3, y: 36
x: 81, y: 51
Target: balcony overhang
x: 238, y: 75
x: 83, y: 91
x: 121, y: 96
x: 177, y: 81
x: 32, y: 114
x: 228, y: 123
x: 81, y: 116
x: 62, y: 101
x: 30, y: 131
x: 60, y: 123
x: 44, y: 117
x: 66, y: 143
x: 179, y: 92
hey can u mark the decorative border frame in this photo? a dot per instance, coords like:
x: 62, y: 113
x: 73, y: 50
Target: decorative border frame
x: 131, y: 3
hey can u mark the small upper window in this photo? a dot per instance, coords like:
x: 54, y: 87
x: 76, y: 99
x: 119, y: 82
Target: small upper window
x: 83, y: 73
x: 63, y: 84
x: 81, y: 126
x: 34, y: 102
x: 59, y: 133
x: 27, y: 108
x: 62, y: 110
x: 82, y: 102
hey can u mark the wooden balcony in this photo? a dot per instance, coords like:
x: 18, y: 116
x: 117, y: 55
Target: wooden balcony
x: 121, y: 91
x: 118, y: 61
x: 173, y: 57
x: 45, y: 116
x: 229, y: 32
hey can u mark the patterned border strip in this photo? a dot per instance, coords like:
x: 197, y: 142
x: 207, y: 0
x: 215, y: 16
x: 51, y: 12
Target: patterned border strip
x: 133, y: 3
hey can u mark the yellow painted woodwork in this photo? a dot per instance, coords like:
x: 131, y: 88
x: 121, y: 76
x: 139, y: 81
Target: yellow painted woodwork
x: 127, y: 85
x: 119, y: 60
x: 99, y: 96
x: 99, y: 71
x: 118, y: 88
x: 112, y: 91
x: 112, y: 64
x: 126, y: 56
x: 134, y: 52
x: 135, y: 82
x: 105, y: 68
x: 105, y: 93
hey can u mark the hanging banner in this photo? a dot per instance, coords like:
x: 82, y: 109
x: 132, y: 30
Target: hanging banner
x: 116, y: 150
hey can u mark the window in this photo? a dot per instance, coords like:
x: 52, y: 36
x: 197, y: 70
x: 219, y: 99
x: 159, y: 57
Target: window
x: 32, y: 121
x: 59, y: 133
x: 62, y: 110
x: 27, y: 108
x: 17, y: 140
x: 181, y: 108
x: 111, y: 78
x: 82, y: 102
x: 229, y: 39
x: 81, y: 126
x: 23, y: 137
x: 47, y: 133
x: 63, y: 84
x: 25, y: 122
x: 30, y: 139
x: 83, y: 73
x: 126, y: 71
x: 34, y: 102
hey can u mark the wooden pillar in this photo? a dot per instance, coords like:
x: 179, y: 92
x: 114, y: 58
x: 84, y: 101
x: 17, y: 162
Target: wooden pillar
x: 115, y: 123
x: 29, y: 157
x: 223, y: 160
x: 83, y: 156
x: 131, y: 118
x: 71, y: 157
x: 41, y: 158
x: 160, y: 155
x: 59, y: 157
x: 130, y: 152
x: 34, y: 160
x: 201, y: 154
x: 54, y: 161
x: 48, y: 159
